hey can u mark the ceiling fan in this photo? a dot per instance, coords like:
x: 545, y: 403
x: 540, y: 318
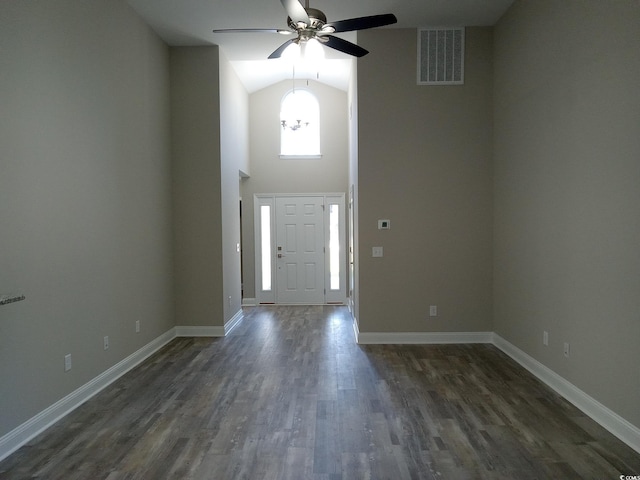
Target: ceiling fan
x: 310, y: 23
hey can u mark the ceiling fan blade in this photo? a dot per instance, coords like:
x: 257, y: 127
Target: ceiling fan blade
x: 296, y: 11
x: 278, y: 52
x: 362, y: 23
x: 253, y: 30
x: 341, y: 45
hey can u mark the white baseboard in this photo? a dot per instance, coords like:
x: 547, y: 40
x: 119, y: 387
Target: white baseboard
x: 618, y: 426
x: 249, y: 302
x: 372, y: 338
x: 234, y: 322
x: 200, y: 331
x: 614, y: 423
x: 356, y: 329
x: 208, y: 330
x: 611, y: 421
x: 20, y: 435
x: 17, y: 437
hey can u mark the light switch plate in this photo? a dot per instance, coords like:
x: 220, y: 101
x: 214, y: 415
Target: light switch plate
x: 67, y: 362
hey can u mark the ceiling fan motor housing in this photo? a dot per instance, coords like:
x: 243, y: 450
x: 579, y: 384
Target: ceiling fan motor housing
x: 310, y: 23
x: 318, y: 21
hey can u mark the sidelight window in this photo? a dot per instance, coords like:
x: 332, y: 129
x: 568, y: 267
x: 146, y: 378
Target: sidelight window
x: 265, y: 246
x: 334, y: 247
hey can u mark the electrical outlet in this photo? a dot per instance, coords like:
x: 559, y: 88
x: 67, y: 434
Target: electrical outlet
x: 566, y: 349
x: 137, y: 326
x: 106, y: 342
x: 545, y: 338
x: 67, y: 362
x: 433, y: 310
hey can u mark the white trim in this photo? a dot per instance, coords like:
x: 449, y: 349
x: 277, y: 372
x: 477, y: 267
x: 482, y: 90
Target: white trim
x: 356, y: 330
x: 234, y: 322
x: 20, y: 435
x: 608, y: 419
x: 614, y: 423
x: 330, y: 297
x: 199, y: 331
x: 301, y: 157
x: 210, y: 330
x: 249, y: 302
x: 611, y: 421
x: 372, y: 338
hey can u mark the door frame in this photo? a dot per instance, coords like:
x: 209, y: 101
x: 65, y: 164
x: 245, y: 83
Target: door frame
x: 268, y: 295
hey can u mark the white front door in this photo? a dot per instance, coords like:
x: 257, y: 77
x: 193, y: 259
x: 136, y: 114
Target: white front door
x: 300, y: 251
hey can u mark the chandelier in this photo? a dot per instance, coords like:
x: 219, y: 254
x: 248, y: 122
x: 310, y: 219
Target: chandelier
x: 297, y: 124
x: 294, y: 113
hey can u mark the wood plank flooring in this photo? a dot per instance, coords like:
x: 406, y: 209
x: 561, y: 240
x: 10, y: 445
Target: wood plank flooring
x: 289, y: 395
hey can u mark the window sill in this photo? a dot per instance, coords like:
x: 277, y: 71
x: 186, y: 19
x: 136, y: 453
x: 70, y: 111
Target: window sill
x: 301, y: 157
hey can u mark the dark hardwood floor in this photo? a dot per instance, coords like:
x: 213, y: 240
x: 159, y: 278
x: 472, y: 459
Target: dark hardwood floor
x: 289, y: 395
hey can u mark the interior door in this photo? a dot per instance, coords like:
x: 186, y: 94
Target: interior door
x: 300, y: 251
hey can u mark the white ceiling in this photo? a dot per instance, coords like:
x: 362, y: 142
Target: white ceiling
x: 189, y: 23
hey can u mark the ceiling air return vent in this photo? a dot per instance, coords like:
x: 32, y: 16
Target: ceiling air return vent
x: 441, y: 56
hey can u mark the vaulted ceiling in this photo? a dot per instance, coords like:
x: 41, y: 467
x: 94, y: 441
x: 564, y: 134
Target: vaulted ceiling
x: 190, y: 23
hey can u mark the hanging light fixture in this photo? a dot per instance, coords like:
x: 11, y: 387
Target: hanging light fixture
x: 293, y: 117
x: 308, y: 54
x: 297, y: 125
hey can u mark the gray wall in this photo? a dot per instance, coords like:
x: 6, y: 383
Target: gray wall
x: 234, y: 158
x: 353, y: 280
x: 85, y: 196
x: 550, y: 228
x: 195, y: 151
x: 207, y: 157
x: 424, y: 162
x: 567, y: 177
x: 271, y: 174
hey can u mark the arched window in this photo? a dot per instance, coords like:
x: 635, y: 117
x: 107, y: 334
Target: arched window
x: 299, y: 125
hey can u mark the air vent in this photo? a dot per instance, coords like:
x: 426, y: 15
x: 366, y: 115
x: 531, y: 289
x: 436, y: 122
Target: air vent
x: 441, y: 56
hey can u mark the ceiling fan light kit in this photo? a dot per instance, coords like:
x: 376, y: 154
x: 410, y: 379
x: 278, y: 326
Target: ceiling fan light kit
x: 311, y: 24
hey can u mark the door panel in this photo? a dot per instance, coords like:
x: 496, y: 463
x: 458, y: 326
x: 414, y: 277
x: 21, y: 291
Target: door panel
x: 300, y: 250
